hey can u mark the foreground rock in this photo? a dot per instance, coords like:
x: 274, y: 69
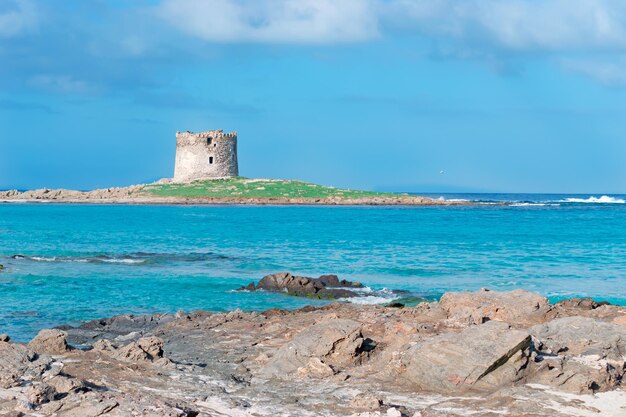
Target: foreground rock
x: 514, y: 307
x: 321, y: 350
x: 480, y: 358
x: 327, y: 287
x: 481, y: 354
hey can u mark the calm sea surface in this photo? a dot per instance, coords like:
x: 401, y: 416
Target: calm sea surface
x: 84, y: 262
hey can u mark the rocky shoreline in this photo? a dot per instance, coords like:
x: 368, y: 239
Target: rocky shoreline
x: 137, y: 195
x: 482, y: 354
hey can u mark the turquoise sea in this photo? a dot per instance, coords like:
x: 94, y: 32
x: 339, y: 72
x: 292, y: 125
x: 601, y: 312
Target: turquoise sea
x: 67, y: 263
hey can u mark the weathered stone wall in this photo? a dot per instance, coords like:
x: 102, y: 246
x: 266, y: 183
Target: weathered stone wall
x: 211, y: 154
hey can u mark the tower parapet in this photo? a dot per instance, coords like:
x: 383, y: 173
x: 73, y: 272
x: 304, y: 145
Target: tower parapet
x: 210, y: 154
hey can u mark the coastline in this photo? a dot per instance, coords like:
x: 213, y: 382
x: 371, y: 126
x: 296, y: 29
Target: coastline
x: 422, y: 202
x: 137, y: 196
x: 483, y: 353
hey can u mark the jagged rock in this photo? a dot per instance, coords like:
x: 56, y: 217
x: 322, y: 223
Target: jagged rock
x: 40, y: 394
x: 146, y: 349
x: 581, y: 303
x: 50, y: 341
x: 65, y: 384
x: 14, y: 362
x: 87, y: 405
x: 316, y: 368
x: 513, y: 307
x: 325, y: 287
x: 366, y: 402
x: 318, y: 358
x: 104, y: 345
x: 117, y: 326
x: 581, y: 336
x: 480, y: 358
x: 580, y: 354
x: 4, y: 338
x: 336, y: 343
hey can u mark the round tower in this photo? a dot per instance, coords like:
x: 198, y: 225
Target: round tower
x: 211, y: 154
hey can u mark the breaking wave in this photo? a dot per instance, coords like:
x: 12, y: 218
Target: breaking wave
x: 605, y: 199
x: 384, y: 296
x: 136, y: 258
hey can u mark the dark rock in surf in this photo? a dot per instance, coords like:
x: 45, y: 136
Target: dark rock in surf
x: 327, y: 287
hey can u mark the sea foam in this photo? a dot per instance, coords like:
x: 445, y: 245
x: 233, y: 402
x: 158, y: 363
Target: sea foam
x: 605, y: 199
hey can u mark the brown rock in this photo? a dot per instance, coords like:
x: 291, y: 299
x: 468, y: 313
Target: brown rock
x: 64, y: 384
x: 316, y: 368
x: 580, y: 354
x: 515, y: 307
x: 367, y: 402
x: 324, y: 287
x: 40, y: 394
x: 50, y: 341
x: 480, y: 358
x: 146, y: 349
x: 14, y: 361
x: 335, y: 343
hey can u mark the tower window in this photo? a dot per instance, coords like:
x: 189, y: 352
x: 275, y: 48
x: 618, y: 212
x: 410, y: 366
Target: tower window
x: 210, y: 160
x: 209, y: 140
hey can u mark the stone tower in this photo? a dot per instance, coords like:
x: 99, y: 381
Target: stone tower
x: 211, y: 154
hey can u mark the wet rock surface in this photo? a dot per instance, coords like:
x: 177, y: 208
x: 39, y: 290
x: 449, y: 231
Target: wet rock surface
x: 479, y: 354
x: 327, y: 287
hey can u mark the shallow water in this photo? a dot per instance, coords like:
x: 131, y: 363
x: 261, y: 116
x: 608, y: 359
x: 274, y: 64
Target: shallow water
x: 85, y: 262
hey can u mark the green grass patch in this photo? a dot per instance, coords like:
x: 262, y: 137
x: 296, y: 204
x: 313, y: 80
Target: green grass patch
x: 256, y: 188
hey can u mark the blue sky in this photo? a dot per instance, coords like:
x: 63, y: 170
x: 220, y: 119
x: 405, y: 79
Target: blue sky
x: 422, y: 95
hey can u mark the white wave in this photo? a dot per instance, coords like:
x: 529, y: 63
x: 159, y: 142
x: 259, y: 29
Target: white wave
x: 605, y: 199
x: 528, y: 205
x: 369, y: 296
x: 43, y: 258
x: 80, y: 260
x: 370, y: 299
x: 123, y: 261
x: 534, y: 205
x: 454, y: 200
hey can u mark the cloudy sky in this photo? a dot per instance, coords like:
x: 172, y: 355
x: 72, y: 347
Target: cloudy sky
x: 422, y: 95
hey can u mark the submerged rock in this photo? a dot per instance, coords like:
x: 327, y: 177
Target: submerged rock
x: 325, y: 287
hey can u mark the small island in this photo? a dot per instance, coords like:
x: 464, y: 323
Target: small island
x: 207, y: 172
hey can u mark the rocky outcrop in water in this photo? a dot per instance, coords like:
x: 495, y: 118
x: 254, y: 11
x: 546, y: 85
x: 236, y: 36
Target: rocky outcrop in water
x: 485, y: 353
x: 137, y: 194
x: 327, y: 287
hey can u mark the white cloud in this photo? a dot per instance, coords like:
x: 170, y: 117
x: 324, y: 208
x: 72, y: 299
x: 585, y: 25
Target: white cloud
x: 17, y: 17
x: 273, y: 21
x: 516, y: 25
x: 550, y: 25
